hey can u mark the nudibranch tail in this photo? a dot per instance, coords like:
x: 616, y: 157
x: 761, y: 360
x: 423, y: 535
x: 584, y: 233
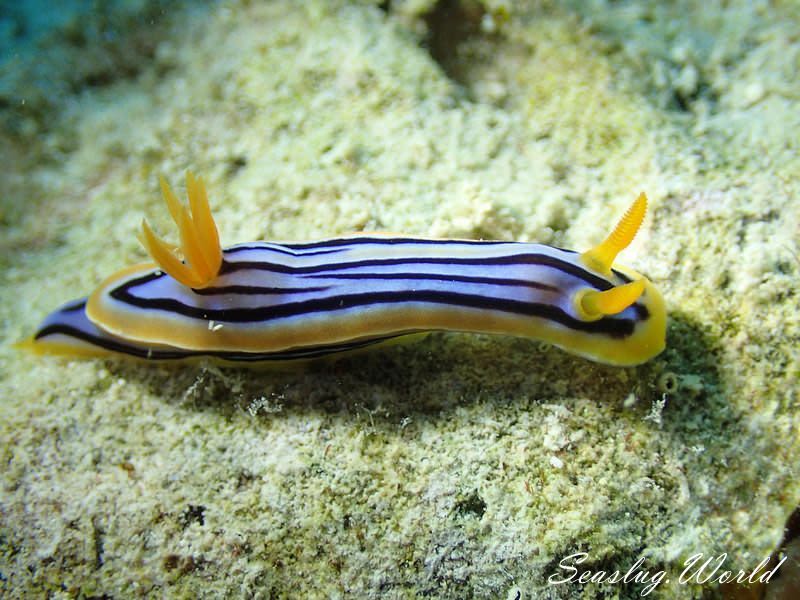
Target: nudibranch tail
x: 200, y: 244
x: 602, y: 256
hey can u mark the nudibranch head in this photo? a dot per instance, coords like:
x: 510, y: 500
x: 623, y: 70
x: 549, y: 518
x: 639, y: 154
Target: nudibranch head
x: 631, y: 292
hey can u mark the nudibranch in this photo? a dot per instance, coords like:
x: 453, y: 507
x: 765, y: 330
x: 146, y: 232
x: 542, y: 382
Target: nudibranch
x: 267, y: 302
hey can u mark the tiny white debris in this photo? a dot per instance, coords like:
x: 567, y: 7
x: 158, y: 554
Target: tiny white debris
x: 556, y: 462
x: 656, y: 409
x: 487, y: 24
x: 266, y: 405
x: 629, y: 401
x: 214, y: 326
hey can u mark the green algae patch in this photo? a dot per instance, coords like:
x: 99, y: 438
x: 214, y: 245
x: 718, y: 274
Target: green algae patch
x: 457, y: 465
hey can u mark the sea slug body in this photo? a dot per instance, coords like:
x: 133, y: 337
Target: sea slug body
x: 266, y: 302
